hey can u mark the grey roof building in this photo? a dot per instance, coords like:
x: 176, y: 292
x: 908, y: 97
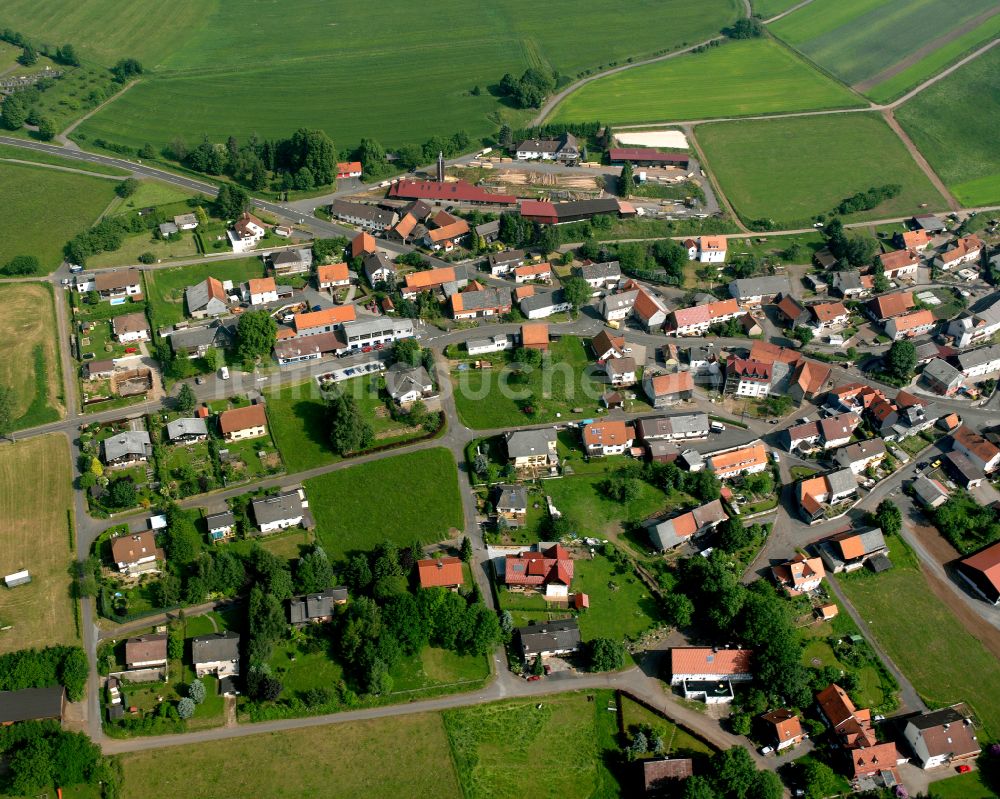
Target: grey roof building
x: 402, y: 381
x: 315, y: 607
x: 377, y: 266
x: 215, y: 647
x: 842, y: 481
x: 847, y: 282
x: 512, y: 499
x: 363, y: 214
x: 530, y: 443
x: 929, y: 222
x: 605, y: 271
x: 207, y: 298
x: 186, y: 429
x: 198, y: 339
x: 168, y: 229
x: 748, y: 288
x: 130, y: 445
x: 549, y: 638
x: 219, y: 521
x: 292, y: 260
x: 31, y: 704
x: 973, y: 359
x: 668, y: 533
x: 859, y: 452
x: 280, y: 510
x: 505, y: 260
x: 942, y: 376
x: 544, y: 304
x: 679, y: 425
x: 930, y: 492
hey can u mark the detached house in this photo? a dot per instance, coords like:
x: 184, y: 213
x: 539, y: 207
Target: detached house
x: 899, y: 264
x: 676, y: 427
x: 611, y: 437
x: 858, y: 457
x: 816, y: 494
x: 605, y: 345
x: 522, y: 274
x: 666, y: 534
x: 378, y: 268
x: 910, y: 325
x: 216, y: 654
x: 747, y: 378
x: 246, y: 233
x: 791, y: 310
x: 146, y: 652
x: 966, y: 251
x: 315, y: 608
x: 124, y: 449
x: 785, y: 728
x: 331, y: 276
x: 708, y: 673
x: 532, y: 449
x: 407, y: 384
x: 221, y: 526
x: 549, y: 571
x: 850, y: 550
x: 292, y: 262
x: 942, y: 737
x: 186, y: 430
x: 348, y: 169
x: 545, y: 304
x: 441, y: 573
x: 697, y: 320
x: 363, y: 244
x: 565, y: 149
x: 136, y: 554
x: 130, y: 327
x: 480, y: 303
x: 501, y: 263
x: 712, y: 249
x: 280, y: 511
x: 261, y: 291
x: 800, y: 575
x: 620, y: 371
x: 600, y: 276
x: 512, y: 505
x: 826, y: 315
x: 753, y: 291
x: 239, y: 424
x: 743, y: 460
x: 980, y: 451
x: 118, y: 284
x: 549, y: 638
x: 669, y: 389
x: 941, y: 377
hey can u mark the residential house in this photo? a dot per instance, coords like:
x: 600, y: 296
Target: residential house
x: 549, y: 571
x: 808, y: 380
x: 942, y: 737
x: 378, y: 268
x: 32, y: 704
x: 791, y: 310
x: 405, y: 229
x: 441, y: 573
x: 221, y: 526
x: 433, y: 279
x: 447, y: 236
x: 916, y: 240
x: 135, y: 553
x: 618, y: 307
x: 675, y: 427
x: 712, y: 249
x: 368, y: 217
x: 186, y: 221
x: 800, y: 575
x: 529, y: 272
x: 307, y: 347
x: 649, y: 310
x: 511, y: 505
x: 486, y: 346
x: 332, y: 276
x: 887, y: 306
x: 826, y: 315
x: 784, y: 728
x: 532, y: 449
x: 118, y: 285
x: 966, y: 251
x: 363, y: 244
x: 740, y: 461
x: 804, y: 435
x: 976, y: 327
x: 979, y: 362
x: 371, y: 332
x: 281, y: 511
x: 816, y: 494
x: 708, y: 673
x: 668, y: 389
x: 600, y: 276
x: 99, y: 370
x: 565, y: 149
x: 980, y: 451
x: 480, y: 303
x: 292, y: 262
x: 850, y: 550
x: 126, y: 448
x: 941, y: 377
x: 900, y: 264
x: 746, y: 378
x: 875, y: 766
x: 239, y: 424
x: 836, y: 431
x: 548, y: 638
x: 194, y: 342
x: 216, y: 654
x: 850, y: 284
x: 858, y: 457
x: 131, y: 327
x: 348, y: 169
x: 535, y: 336
x: 186, y: 430
x: 666, y: 534
x: 664, y: 776
x: 696, y: 321
x: 982, y: 572
x: 208, y: 298
x: 606, y: 345
x: 406, y: 384
x: 545, y: 304
x: 620, y: 371
x: 851, y: 725
x: 317, y: 608
x: 929, y: 491
x: 489, y: 231
x: 754, y: 291
x: 246, y: 233
x: 261, y: 290
x: 609, y: 437
x: 910, y: 325
x: 501, y: 263
x: 146, y: 652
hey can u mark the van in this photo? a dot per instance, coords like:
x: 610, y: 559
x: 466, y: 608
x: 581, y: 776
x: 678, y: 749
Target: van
x: 717, y: 427
x: 613, y: 324
x: 224, y: 373
x: 74, y: 268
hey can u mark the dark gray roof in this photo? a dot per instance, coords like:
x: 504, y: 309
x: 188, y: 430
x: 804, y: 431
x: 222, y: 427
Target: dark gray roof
x: 374, y: 262
x: 215, y: 334
x: 841, y: 481
x: 526, y: 443
x: 315, y: 606
x: 512, y: 497
x: 215, y: 647
x: 847, y: 281
x: 967, y: 360
x: 599, y: 205
x: 845, y: 456
x: 758, y: 286
x: 31, y: 704
x: 130, y: 442
x: 963, y: 466
x: 928, y: 490
x: 401, y: 379
x: 186, y: 427
x: 215, y: 521
x: 292, y: 258
x: 287, y: 505
x: 935, y: 718
x: 606, y: 270
x: 488, y: 228
x: 537, y: 302
x: 930, y: 222
x: 197, y: 297
x: 872, y: 539
x: 549, y: 636
x: 369, y: 213
x: 678, y: 424
x: 485, y: 298
x: 942, y: 371
x: 507, y: 257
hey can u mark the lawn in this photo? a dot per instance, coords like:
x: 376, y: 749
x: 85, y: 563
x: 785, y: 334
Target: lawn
x: 860, y: 39
x: 140, y: 243
x: 197, y: 71
x: 150, y: 193
x: 620, y: 603
x: 679, y: 742
x: 551, y: 746
x: 345, y: 760
x: 405, y: 498
x: 38, y: 157
x: 963, y: 786
x: 165, y: 287
x: 954, y: 124
x: 36, y: 533
x: 489, y: 398
x: 789, y: 170
x: 29, y: 354
x: 45, y: 208
x: 932, y: 648
x: 580, y: 499
x: 757, y: 76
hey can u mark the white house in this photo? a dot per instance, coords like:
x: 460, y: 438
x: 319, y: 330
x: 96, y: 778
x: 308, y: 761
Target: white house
x: 246, y: 233
x: 540, y: 306
x: 966, y: 251
x: 620, y: 371
x: 601, y: 275
x: 261, y: 290
x: 217, y: 653
x: 406, y: 384
x: 130, y: 328
x: 135, y: 554
x: 979, y: 362
x: 610, y: 437
x: 941, y: 737
x: 617, y: 307
x: 281, y: 511
x: 485, y: 346
x: 712, y: 249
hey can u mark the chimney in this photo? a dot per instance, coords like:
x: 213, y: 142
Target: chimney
x: 440, y: 174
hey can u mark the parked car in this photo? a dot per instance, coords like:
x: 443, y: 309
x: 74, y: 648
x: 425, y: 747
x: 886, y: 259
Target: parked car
x: 766, y: 750
x: 965, y: 768
x: 534, y: 678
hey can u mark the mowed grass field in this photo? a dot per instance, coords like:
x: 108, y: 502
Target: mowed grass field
x: 384, y: 70
x: 955, y: 124
x: 44, y: 208
x: 165, y: 287
x: 402, y: 756
x: 860, y: 39
x: 36, y: 496
x: 757, y: 76
x: 765, y: 9
x: 29, y: 355
x: 10, y: 152
x: 789, y: 170
x: 404, y: 498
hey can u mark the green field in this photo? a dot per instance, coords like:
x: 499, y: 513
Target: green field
x: 757, y: 76
x: 944, y: 662
x: 9, y: 151
x: 165, y: 287
x: 345, y: 761
x: 963, y: 786
x: 955, y: 122
x: 45, y: 208
x: 620, y: 603
x: 859, y: 39
x: 789, y: 170
x: 355, y: 509
x: 553, y: 746
x: 769, y: 8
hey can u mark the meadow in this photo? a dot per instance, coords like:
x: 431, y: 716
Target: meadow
x: 12, y: 152
x: 45, y: 208
x: 789, y: 170
x: 36, y: 501
x: 29, y: 354
x: 954, y: 123
x: 346, y: 760
x: 857, y: 40
x: 765, y: 9
x: 402, y: 80
x: 756, y: 76
x: 404, y: 498
x: 165, y: 287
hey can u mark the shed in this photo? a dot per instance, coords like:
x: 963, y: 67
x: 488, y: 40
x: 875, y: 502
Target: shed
x: 17, y: 578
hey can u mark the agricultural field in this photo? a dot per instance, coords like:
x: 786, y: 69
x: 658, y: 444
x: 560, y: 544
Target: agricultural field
x: 765, y: 9
x: 197, y: 70
x: 11, y: 152
x: 29, y: 354
x: 36, y: 531
x: 789, y: 170
x: 346, y: 760
x: 756, y: 76
x: 165, y: 287
x: 954, y: 123
x: 355, y: 507
x: 909, y: 621
x: 863, y: 40
x: 44, y: 208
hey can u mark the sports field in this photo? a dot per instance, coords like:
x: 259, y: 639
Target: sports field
x: 955, y: 124
x: 789, y: 170
x: 757, y: 76
x: 859, y: 39
x: 29, y: 359
x: 44, y: 208
x: 386, y: 70
x: 36, y: 498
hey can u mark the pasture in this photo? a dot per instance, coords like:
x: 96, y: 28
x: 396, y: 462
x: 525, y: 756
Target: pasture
x: 789, y: 170
x: 29, y: 354
x: 857, y: 40
x: 756, y: 76
x: 404, y: 498
x: 403, y: 81
x: 954, y: 123
x: 36, y: 501
x: 44, y: 208
x: 346, y: 760
x: 165, y: 287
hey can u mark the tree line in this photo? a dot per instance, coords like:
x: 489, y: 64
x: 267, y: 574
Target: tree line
x: 40, y: 755
x: 44, y: 668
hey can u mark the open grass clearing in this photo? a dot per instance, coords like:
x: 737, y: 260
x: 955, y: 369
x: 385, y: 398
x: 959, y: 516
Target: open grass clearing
x: 29, y: 354
x: 679, y: 742
x: 165, y: 287
x: 405, y: 498
x: 770, y: 8
x: 140, y: 243
x: 754, y: 76
x: 963, y: 786
x: 45, y: 208
x: 36, y: 501
x: 859, y: 39
x: 789, y: 170
x: 954, y: 123
x: 9, y: 151
x: 346, y: 760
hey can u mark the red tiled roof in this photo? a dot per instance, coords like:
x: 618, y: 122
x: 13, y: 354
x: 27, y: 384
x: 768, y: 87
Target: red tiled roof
x: 334, y: 315
x: 261, y: 285
x: 746, y: 369
x: 554, y: 565
x: 534, y: 334
x: 709, y: 312
x: 612, y: 432
x: 457, y: 190
x: 430, y: 278
x: 330, y: 273
x: 242, y: 418
x: 646, y: 154
x: 705, y: 660
x: 361, y: 244
x: 913, y: 320
x: 672, y: 383
x: 891, y: 304
x: 440, y: 572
